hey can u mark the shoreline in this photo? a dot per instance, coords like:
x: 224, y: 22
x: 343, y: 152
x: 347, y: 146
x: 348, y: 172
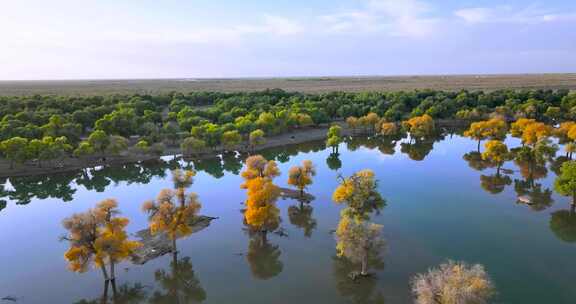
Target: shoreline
x: 290, y: 138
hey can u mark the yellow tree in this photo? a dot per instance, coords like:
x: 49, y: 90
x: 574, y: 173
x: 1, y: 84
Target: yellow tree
x: 182, y: 179
x: 352, y: 123
x: 258, y: 166
x: 497, y: 153
x: 453, y: 282
x: 517, y: 127
x: 535, y: 132
x: 261, y: 212
x: 388, y: 129
x: 372, y: 119
x: 301, y: 176
x: 98, y: 237
x: 358, y: 240
x: 494, y: 128
x: 359, y: 193
x: 562, y: 131
x: 420, y: 126
x: 173, y: 211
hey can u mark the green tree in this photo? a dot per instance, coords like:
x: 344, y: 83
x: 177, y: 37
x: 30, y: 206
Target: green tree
x: 192, y: 145
x: 565, y: 183
x: 99, y: 141
x: 256, y: 138
x: 334, y: 138
x: 15, y: 149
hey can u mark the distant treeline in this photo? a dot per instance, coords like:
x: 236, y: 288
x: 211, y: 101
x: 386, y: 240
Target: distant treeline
x: 90, y: 125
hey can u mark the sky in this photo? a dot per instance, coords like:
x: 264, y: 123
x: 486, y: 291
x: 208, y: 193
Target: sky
x: 115, y: 39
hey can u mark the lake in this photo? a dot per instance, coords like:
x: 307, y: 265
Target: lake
x: 438, y: 207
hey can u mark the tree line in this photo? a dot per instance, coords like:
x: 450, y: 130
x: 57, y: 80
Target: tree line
x: 47, y: 128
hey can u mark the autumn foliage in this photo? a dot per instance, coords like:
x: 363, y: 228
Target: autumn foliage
x: 98, y: 237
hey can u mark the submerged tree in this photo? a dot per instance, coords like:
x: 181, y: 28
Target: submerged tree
x: 173, y: 211
x: 496, y: 152
x: 357, y: 240
x: 334, y: 138
x: 494, y: 129
x: 301, y: 176
x: 171, y: 215
x: 454, y: 283
x: 98, y: 237
x: 359, y: 193
x: 420, y: 126
x: 261, y: 212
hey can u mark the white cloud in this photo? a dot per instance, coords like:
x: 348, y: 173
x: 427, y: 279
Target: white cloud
x: 405, y: 18
x: 474, y: 15
x: 531, y: 14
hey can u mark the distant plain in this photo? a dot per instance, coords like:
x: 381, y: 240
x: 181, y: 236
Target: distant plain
x: 299, y: 84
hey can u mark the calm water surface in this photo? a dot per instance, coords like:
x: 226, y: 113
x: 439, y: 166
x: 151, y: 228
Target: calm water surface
x: 437, y: 209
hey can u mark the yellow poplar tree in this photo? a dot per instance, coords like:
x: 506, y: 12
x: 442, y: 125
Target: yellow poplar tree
x: 420, y: 126
x: 261, y: 212
x: 496, y: 152
x: 359, y: 193
x: 98, y: 237
x: 173, y: 211
x: 301, y: 176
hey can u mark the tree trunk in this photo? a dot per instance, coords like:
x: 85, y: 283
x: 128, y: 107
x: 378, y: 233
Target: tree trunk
x: 105, y: 273
x: 104, y: 298
x: 263, y: 238
x: 479, y: 145
x: 364, y: 270
x: 498, y: 170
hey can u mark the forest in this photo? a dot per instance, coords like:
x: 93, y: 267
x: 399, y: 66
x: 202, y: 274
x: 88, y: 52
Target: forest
x: 44, y: 130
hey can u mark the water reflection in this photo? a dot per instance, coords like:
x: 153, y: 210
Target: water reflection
x: 264, y: 258
x: 180, y: 285
x: 333, y: 161
x: 476, y: 162
x: 363, y: 291
x: 495, y: 184
x: 563, y: 225
x: 300, y: 215
x: 125, y: 294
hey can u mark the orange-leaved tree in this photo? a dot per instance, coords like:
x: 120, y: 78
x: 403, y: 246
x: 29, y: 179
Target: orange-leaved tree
x: 98, y: 237
x: 173, y: 211
x: 261, y: 212
x: 301, y: 176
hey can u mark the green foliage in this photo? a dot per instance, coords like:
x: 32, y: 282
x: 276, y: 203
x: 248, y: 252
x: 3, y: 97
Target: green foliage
x: 565, y: 183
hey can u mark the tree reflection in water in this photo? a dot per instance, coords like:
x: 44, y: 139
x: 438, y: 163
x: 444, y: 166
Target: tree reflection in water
x: 264, y: 258
x: 362, y: 291
x: 125, y: 294
x: 563, y: 225
x: 539, y: 198
x: 180, y: 285
x: 333, y: 161
x: 495, y: 184
x: 300, y: 215
x: 475, y: 161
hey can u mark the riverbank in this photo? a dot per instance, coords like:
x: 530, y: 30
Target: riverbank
x: 72, y: 164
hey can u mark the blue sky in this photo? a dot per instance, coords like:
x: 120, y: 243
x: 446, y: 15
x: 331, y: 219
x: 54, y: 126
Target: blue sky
x: 93, y: 39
